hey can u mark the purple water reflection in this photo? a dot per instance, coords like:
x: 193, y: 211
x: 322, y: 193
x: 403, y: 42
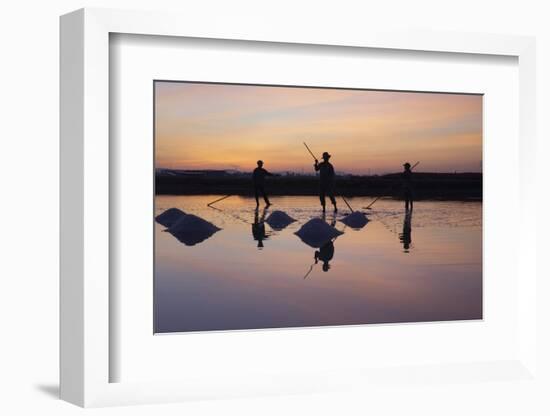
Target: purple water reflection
x: 392, y: 270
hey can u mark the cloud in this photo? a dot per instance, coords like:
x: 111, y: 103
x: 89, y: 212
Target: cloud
x: 222, y: 126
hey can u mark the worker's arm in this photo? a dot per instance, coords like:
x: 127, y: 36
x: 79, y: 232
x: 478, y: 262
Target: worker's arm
x: 316, y: 165
x: 272, y: 174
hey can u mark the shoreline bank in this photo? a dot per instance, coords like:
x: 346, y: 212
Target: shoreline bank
x: 434, y: 186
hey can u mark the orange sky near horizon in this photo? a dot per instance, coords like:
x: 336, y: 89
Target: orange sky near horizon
x: 222, y: 126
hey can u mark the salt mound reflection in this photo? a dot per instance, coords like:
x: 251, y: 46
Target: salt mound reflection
x: 191, y: 230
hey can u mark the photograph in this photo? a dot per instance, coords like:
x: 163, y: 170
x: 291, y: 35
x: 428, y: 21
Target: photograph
x: 287, y: 206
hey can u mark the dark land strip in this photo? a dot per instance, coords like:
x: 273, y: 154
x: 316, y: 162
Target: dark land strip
x: 443, y: 186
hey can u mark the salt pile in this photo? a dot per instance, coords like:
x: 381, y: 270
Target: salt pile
x: 279, y: 220
x: 355, y: 220
x: 170, y: 217
x: 317, y: 232
x: 191, y: 230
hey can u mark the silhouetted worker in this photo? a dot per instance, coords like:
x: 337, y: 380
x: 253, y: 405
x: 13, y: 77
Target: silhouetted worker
x: 407, y: 186
x: 325, y: 254
x: 405, y: 236
x: 258, y: 177
x: 258, y: 228
x: 326, y: 180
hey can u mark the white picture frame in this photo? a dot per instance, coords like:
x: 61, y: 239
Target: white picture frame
x: 85, y: 211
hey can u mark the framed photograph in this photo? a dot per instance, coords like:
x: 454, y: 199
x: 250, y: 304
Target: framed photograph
x: 245, y: 213
x: 255, y: 230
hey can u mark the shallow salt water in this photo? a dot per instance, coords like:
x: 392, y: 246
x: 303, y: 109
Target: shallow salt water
x: 398, y: 268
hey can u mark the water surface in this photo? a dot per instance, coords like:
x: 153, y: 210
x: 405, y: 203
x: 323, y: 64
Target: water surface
x: 426, y: 267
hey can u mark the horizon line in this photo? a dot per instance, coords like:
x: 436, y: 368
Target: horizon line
x: 229, y: 170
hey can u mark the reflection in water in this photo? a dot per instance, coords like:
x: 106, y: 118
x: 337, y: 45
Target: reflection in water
x: 227, y: 283
x: 189, y: 229
x: 332, y: 220
x: 405, y: 236
x: 258, y: 228
x: 325, y: 254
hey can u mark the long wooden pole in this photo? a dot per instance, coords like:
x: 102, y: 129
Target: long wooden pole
x: 310, y: 152
x: 309, y: 271
x: 372, y: 203
x: 218, y: 200
x: 349, y: 206
x: 231, y: 215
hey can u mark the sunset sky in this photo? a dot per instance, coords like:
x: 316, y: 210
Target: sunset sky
x: 216, y: 126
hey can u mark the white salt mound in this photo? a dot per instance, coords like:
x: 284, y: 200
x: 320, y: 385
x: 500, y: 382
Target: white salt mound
x: 170, y: 217
x: 279, y: 220
x: 355, y: 220
x: 317, y: 232
x: 191, y: 230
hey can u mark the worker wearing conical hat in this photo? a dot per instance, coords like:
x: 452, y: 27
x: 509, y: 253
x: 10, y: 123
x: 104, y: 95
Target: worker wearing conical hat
x: 326, y: 180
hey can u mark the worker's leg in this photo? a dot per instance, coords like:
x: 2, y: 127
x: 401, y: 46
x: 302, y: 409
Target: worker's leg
x: 256, y: 195
x: 322, y: 192
x: 409, y: 200
x: 332, y: 199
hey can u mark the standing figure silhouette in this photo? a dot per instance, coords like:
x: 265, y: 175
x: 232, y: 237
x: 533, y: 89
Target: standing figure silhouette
x: 326, y: 180
x: 258, y: 178
x: 407, y: 186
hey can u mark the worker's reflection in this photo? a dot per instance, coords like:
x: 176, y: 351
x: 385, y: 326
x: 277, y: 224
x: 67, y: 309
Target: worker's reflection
x: 405, y: 236
x: 325, y: 254
x: 258, y: 227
